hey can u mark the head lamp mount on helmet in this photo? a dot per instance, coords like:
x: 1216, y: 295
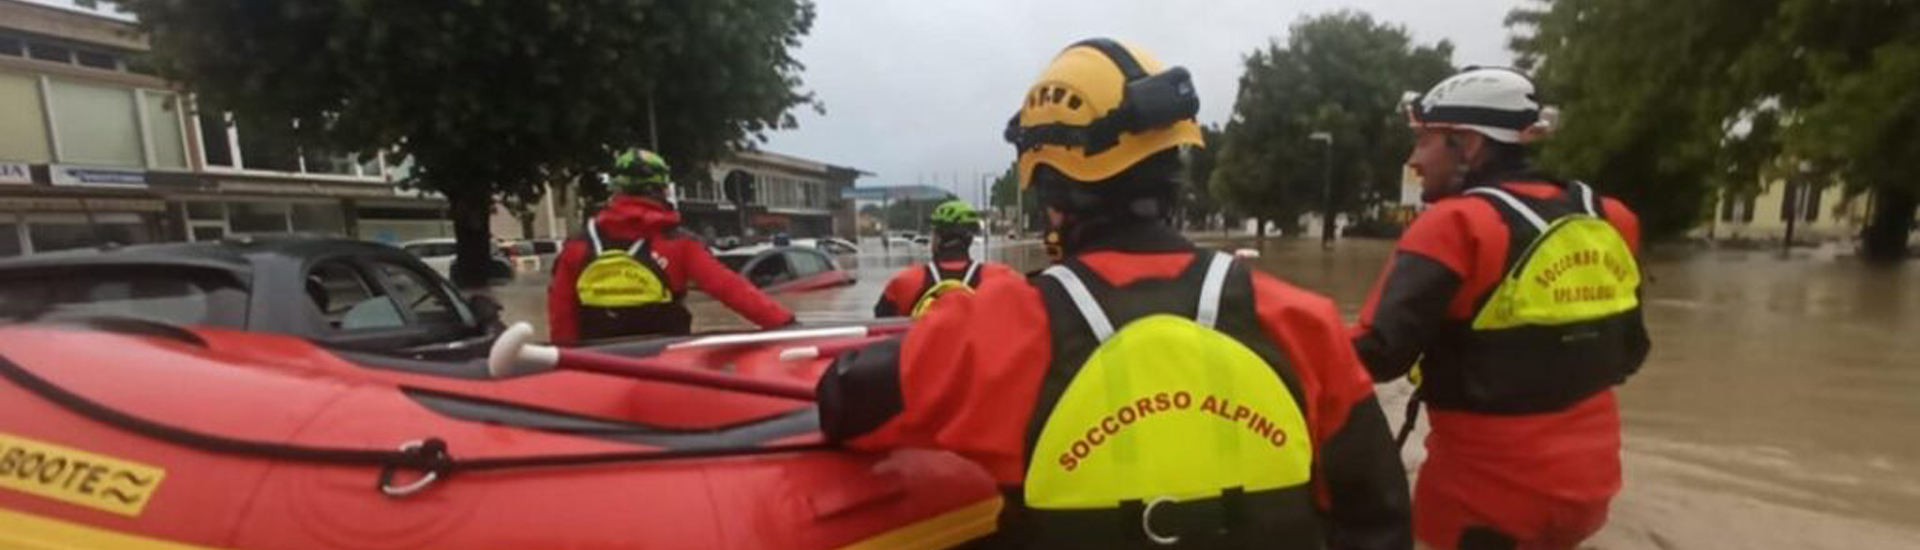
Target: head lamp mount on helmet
x: 1148, y: 101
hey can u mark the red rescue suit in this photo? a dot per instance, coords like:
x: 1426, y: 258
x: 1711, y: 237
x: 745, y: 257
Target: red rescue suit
x: 1496, y: 474
x: 631, y: 218
x: 909, y: 285
x: 974, y: 374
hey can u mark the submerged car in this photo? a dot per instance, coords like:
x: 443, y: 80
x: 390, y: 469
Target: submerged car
x: 341, y: 293
x: 830, y: 245
x: 786, y: 268
x: 439, y: 253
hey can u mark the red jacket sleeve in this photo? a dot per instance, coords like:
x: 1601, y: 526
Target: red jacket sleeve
x: 1624, y: 220
x: 563, y: 304
x: 963, y: 379
x: 723, y: 284
x: 898, y: 298
x: 1359, y: 480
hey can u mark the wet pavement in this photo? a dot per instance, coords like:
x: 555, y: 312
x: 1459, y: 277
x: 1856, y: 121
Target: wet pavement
x: 1776, y: 410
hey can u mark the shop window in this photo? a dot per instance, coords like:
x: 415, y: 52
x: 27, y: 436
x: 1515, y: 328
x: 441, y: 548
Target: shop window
x: 51, y: 233
x: 258, y: 217
x: 10, y: 240
x: 96, y: 60
x: 201, y: 233
x: 163, y: 126
x: 319, y: 219
x: 206, y: 211
x: 213, y: 137
x: 96, y: 125
x: 25, y: 138
x: 1813, y: 203
x: 49, y: 52
x: 268, y: 146
x: 122, y: 233
x: 140, y: 63
x: 321, y: 161
x: 52, y: 236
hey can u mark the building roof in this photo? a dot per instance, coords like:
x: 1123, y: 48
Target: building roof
x: 897, y: 192
x: 791, y: 162
x: 107, y: 9
x: 101, y: 25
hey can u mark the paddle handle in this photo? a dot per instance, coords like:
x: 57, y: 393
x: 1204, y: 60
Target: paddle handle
x: 604, y: 363
x: 513, y: 352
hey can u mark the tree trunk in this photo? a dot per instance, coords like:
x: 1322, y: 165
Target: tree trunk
x: 526, y: 226
x: 473, y: 260
x: 1885, y: 238
x: 1260, y: 233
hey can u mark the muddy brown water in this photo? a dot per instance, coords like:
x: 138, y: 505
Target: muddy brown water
x: 1778, y: 409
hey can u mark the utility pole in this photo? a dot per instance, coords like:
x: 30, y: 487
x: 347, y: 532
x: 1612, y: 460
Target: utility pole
x: 1326, y: 212
x: 986, y: 226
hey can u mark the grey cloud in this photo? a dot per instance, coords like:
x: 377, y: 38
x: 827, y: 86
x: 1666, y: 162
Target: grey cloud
x: 919, y: 91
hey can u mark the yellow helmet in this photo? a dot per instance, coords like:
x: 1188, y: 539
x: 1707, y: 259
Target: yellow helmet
x: 1099, y: 108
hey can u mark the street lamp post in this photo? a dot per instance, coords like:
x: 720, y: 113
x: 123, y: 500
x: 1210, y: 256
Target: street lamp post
x: 1326, y: 212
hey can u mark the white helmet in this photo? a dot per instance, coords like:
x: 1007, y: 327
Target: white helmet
x: 1499, y: 103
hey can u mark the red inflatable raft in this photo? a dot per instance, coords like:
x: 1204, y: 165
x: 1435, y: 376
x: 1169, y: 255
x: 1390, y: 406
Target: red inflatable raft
x: 135, y: 436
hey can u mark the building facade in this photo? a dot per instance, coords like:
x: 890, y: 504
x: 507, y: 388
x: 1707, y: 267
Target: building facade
x: 791, y: 195
x: 97, y: 149
x: 1816, y: 214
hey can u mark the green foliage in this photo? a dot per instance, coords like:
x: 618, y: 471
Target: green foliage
x: 1341, y: 73
x: 1006, y: 194
x: 493, y: 97
x: 1663, y: 102
x: 1196, y: 196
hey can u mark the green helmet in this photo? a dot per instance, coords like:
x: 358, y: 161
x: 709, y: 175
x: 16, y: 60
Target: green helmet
x: 954, y: 212
x: 637, y: 170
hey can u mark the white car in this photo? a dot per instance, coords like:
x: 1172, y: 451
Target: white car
x: 438, y: 254
x: 829, y: 245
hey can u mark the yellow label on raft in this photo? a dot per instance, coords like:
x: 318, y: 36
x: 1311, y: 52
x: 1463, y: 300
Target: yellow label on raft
x: 77, y: 477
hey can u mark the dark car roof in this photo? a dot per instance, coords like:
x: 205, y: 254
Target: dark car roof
x: 232, y: 255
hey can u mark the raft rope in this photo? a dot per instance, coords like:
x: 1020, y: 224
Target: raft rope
x: 429, y: 456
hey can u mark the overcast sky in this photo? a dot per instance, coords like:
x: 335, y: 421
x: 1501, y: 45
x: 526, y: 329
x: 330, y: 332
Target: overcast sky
x: 917, y: 91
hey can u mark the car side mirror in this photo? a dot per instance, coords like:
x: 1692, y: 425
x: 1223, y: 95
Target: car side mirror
x: 486, y: 312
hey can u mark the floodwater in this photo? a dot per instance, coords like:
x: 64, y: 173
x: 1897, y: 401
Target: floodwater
x: 1777, y: 410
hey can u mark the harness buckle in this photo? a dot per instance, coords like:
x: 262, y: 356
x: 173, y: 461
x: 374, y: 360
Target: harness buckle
x: 1146, y: 523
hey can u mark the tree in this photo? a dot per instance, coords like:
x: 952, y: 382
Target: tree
x: 1663, y: 101
x: 492, y: 98
x: 1197, y: 206
x: 1007, y: 194
x: 1341, y: 73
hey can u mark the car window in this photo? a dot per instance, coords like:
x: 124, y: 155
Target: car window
x: 431, y: 250
x: 805, y: 263
x: 181, y: 297
x: 546, y: 247
x: 348, y: 300
x: 771, y: 269
x: 418, y: 294
x: 734, y: 261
